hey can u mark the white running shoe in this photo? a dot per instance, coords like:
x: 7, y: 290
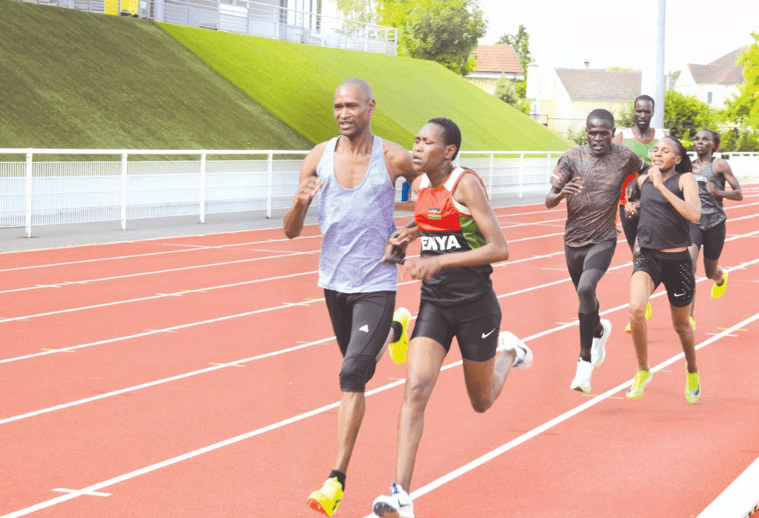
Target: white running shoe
x: 397, y: 504
x: 508, y: 341
x: 582, y: 378
x: 598, y: 349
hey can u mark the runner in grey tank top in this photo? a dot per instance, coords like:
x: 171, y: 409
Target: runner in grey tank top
x: 712, y: 174
x: 355, y: 224
x: 356, y: 174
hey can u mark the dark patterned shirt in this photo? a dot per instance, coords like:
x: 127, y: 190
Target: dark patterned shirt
x: 591, y: 215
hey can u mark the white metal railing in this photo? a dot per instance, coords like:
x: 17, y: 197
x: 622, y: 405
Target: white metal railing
x: 37, y: 187
x: 256, y: 18
x: 119, y: 185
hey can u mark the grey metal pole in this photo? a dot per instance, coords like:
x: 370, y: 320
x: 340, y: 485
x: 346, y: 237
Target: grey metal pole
x: 659, y: 79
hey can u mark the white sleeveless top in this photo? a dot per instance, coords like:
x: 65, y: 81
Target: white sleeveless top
x: 355, y: 225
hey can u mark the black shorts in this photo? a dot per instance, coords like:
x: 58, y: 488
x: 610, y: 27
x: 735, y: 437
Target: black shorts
x: 712, y: 240
x: 475, y: 325
x: 361, y: 322
x: 674, y: 270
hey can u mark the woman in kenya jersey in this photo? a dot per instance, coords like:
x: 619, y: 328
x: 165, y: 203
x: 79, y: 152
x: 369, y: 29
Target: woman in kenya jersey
x: 460, y: 237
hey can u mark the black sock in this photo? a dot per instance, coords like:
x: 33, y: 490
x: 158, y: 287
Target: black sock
x: 340, y: 477
x: 599, y: 333
x: 397, y: 330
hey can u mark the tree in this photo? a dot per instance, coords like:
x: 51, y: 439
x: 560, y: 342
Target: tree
x: 445, y: 31
x: 520, y: 42
x: 686, y: 115
x: 505, y: 91
x: 744, y: 108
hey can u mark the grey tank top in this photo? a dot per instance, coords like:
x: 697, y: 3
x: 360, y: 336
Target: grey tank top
x: 355, y: 225
x: 660, y: 225
x: 712, y: 211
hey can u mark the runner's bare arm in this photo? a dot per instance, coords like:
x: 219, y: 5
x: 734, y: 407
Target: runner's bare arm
x: 308, y: 185
x: 398, y: 162
x: 721, y: 167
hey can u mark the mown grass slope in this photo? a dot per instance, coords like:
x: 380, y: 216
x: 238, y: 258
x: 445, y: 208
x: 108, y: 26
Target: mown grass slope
x: 296, y: 82
x: 70, y: 79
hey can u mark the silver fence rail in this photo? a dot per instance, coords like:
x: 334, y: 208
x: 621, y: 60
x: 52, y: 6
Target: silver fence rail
x: 54, y: 186
x: 90, y: 185
x: 250, y: 17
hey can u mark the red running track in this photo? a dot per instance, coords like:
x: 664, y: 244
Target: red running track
x: 198, y: 377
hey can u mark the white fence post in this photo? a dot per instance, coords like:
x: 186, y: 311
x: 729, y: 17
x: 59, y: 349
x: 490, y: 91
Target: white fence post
x: 124, y: 167
x: 521, y: 173
x: 490, y: 175
x: 269, y: 183
x: 202, y: 187
x: 549, y: 169
x: 29, y: 194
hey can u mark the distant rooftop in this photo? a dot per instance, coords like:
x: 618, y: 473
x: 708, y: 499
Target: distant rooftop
x: 600, y: 85
x: 723, y: 71
x: 497, y: 59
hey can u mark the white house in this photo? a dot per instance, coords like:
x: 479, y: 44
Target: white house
x: 713, y: 83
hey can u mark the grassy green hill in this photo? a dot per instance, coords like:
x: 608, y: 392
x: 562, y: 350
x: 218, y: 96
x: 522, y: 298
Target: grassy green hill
x: 70, y: 79
x: 297, y: 82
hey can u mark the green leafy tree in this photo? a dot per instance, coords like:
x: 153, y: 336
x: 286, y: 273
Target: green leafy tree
x: 520, y: 42
x: 744, y: 108
x: 685, y: 115
x: 505, y: 91
x: 625, y: 118
x: 357, y: 10
x: 445, y: 31
x: 579, y: 136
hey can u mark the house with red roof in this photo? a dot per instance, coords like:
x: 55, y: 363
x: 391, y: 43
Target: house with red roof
x: 713, y: 83
x: 494, y: 61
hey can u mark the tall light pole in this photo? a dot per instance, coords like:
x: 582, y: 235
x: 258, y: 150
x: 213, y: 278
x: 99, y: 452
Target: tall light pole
x: 659, y: 80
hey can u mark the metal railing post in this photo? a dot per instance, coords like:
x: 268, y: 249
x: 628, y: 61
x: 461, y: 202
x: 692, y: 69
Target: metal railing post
x: 490, y: 174
x: 269, y: 183
x: 28, y: 194
x: 124, y: 167
x: 202, y: 187
x: 521, y: 173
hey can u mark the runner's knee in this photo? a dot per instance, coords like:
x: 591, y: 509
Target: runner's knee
x: 355, y: 374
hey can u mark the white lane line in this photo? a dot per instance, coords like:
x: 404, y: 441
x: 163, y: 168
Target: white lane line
x: 740, y: 499
x: 138, y: 256
x: 154, y: 297
x: 161, y: 381
x: 421, y: 491
x: 156, y: 272
x: 79, y: 492
x: 553, y: 422
x: 561, y: 326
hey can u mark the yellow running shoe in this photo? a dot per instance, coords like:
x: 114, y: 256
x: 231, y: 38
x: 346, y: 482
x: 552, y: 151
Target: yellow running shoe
x: 717, y: 290
x: 327, y: 499
x: 399, y: 348
x: 692, y: 387
x: 649, y: 313
x: 693, y: 323
x: 642, y: 378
